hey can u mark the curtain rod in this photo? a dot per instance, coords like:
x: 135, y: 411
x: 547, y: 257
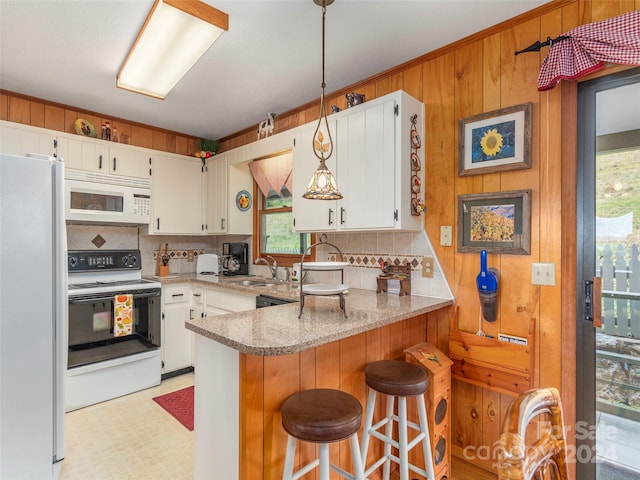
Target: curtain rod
x: 535, y: 47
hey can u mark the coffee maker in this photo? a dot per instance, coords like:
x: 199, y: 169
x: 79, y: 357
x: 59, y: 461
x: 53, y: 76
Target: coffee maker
x: 235, y: 259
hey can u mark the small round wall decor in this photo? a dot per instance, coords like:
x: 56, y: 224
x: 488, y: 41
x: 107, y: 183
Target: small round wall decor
x: 243, y: 200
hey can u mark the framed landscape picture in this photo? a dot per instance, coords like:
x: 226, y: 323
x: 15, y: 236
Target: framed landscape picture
x: 496, y: 222
x: 495, y: 141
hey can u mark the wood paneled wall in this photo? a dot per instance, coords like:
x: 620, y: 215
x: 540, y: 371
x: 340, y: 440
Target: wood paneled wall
x: 42, y: 113
x: 481, y: 74
x: 265, y: 382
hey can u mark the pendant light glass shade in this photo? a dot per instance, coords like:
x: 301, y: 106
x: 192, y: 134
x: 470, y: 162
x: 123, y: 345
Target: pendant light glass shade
x: 323, y: 184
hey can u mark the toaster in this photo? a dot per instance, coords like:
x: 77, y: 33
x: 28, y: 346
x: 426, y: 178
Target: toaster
x: 208, y: 263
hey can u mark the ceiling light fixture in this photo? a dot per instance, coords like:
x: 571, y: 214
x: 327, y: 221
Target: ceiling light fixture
x: 323, y: 184
x: 174, y: 36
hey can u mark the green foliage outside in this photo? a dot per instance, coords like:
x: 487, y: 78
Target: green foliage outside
x: 618, y: 189
x: 278, y: 227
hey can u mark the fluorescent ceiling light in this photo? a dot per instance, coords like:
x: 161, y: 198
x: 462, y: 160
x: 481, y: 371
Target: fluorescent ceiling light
x: 174, y: 36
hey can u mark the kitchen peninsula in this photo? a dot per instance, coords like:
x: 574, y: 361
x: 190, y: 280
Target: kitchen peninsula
x: 248, y: 363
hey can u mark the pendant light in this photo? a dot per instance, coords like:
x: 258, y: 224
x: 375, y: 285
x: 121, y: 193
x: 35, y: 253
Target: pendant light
x: 323, y: 184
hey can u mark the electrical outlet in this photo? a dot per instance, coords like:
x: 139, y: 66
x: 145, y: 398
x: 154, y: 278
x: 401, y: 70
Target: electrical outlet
x: 446, y: 234
x: 427, y: 267
x: 543, y: 274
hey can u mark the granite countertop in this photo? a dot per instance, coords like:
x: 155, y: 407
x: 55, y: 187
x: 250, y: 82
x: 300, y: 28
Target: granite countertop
x: 278, y: 331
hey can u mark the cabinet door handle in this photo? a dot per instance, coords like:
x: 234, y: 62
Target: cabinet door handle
x: 222, y: 223
x: 99, y: 162
x: 177, y: 294
x: 342, y: 215
x: 114, y: 164
x: 196, y: 295
x: 158, y: 224
x: 191, y: 314
x: 331, y: 216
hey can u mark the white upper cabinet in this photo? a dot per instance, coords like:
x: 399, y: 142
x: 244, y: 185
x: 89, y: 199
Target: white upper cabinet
x: 18, y: 139
x: 312, y: 215
x: 177, y: 195
x: 372, y: 162
x: 83, y: 154
x: 100, y: 156
x: 366, y: 167
x: 129, y: 161
x: 217, y: 194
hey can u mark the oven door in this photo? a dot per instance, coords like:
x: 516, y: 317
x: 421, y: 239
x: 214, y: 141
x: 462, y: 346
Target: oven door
x: 91, y: 332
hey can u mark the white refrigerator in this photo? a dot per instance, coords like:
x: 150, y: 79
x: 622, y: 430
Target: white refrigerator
x: 33, y: 317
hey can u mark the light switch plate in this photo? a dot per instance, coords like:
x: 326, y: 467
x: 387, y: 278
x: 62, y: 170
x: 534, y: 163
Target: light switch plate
x: 446, y: 235
x: 543, y: 274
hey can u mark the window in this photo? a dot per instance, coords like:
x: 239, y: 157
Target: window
x: 273, y: 217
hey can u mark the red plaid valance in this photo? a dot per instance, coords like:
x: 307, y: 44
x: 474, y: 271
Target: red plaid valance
x: 588, y: 47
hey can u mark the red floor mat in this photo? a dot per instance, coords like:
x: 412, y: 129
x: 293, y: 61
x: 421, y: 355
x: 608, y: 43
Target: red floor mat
x: 179, y: 404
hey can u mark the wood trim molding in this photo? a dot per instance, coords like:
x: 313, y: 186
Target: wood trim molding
x: 569, y: 158
x: 97, y: 114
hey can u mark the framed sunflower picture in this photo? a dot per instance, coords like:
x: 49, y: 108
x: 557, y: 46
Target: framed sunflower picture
x: 496, y: 141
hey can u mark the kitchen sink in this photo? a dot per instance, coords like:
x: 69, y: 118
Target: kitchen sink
x: 255, y: 283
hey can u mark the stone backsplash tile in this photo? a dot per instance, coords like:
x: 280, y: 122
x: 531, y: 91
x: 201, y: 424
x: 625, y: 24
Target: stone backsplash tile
x: 101, y: 237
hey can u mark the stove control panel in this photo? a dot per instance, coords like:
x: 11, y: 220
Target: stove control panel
x: 92, y: 260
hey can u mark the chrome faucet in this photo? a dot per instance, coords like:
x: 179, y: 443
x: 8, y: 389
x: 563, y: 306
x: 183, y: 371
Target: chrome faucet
x: 273, y: 268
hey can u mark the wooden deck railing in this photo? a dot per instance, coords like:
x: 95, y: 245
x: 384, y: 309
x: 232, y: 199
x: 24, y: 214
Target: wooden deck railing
x: 620, y: 272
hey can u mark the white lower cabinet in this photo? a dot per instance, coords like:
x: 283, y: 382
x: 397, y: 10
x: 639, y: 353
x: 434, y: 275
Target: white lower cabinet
x: 218, y: 301
x: 177, y: 341
x: 185, y: 301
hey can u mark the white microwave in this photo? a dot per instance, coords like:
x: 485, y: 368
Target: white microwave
x: 98, y: 198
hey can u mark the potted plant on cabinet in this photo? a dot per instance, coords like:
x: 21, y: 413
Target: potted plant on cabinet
x: 206, y: 149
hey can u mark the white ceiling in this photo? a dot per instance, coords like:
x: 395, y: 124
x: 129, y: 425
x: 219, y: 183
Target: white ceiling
x: 69, y: 51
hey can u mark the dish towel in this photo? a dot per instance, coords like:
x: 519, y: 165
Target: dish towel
x: 123, y: 315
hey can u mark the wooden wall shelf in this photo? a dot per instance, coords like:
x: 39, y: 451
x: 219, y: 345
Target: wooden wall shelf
x: 490, y: 363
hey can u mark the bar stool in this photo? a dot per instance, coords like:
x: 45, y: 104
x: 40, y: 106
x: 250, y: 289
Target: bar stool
x: 397, y: 379
x: 322, y: 416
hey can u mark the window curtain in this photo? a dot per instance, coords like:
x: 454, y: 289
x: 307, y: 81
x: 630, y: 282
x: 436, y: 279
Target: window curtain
x: 273, y: 172
x: 587, y: 48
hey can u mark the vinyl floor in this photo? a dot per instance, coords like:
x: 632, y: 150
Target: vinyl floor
x: 129, y: 438
x: 133, y: 438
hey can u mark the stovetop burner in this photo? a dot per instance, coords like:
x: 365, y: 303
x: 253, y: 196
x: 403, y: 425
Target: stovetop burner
x: 118, y: 271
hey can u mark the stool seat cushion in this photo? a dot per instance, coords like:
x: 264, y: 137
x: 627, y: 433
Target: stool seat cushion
x: 396, y: 377
x: 321, y: 415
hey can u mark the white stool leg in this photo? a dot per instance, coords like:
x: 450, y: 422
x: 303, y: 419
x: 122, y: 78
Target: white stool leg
x: 402, y: 438
x: 371, y: 405
x: 324, y: 461
x: 358, y: 468
x: 289, y: 458
x: 426, y: 442
x: 388, y: 431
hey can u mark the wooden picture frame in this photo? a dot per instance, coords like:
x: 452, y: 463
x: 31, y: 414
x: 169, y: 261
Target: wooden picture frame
x: 496, y: 141
x: 497, y: 222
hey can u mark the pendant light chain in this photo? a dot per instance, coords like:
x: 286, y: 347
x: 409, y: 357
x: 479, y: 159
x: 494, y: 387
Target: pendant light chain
x: 318, y: 145
x: 322, y: 185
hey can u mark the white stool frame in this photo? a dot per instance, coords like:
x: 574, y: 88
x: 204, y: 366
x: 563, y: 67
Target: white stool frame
x: 323, y: 461
x: 402, y: 444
